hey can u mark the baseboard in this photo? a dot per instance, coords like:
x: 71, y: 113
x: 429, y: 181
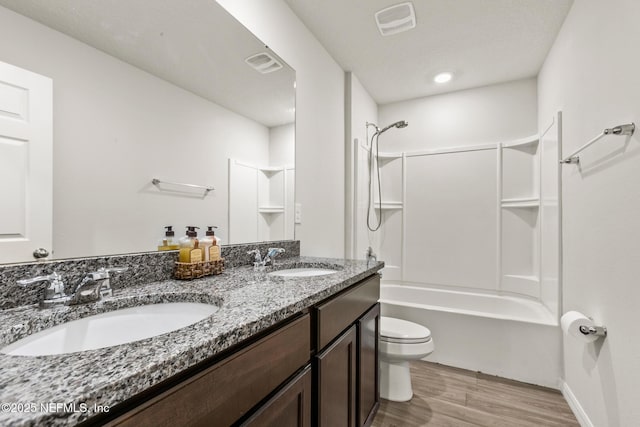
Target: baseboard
x: 575, y: 406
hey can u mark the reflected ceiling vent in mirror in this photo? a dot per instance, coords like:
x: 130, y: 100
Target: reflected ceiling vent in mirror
x: 263, y: 62
x: 396, y: 19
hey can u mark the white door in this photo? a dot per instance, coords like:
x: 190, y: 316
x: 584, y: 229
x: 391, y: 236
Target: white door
x: 26, y: 144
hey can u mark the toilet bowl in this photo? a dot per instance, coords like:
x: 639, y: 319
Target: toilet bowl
x: 400, y: 342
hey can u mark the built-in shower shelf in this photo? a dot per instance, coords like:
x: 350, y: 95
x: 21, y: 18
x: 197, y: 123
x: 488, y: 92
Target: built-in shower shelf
x: 389, y: 156
x: 271, y: 209
x: 521, y: 143
x: 271, y: 168
x: 525, y: 202
x: 388, y: 205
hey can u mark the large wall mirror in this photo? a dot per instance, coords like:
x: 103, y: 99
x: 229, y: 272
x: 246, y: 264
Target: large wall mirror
x: 177, y: 91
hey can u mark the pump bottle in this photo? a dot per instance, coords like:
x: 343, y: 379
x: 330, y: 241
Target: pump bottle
x: 188, y: 243
x: 208, y: 241
x: 169, y: 241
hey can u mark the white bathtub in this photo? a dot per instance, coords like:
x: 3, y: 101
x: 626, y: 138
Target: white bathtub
x: 510, y: 337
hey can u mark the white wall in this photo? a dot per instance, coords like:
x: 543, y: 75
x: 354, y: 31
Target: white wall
x: 282, y: 145
x: 591, y: 74
x: 487, y: 114
x: 361, y: 108
x: 319, y: 121
x: 117, y: 127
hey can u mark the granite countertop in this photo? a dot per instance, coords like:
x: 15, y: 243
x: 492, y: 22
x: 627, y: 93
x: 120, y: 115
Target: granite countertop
x: 249, y: 301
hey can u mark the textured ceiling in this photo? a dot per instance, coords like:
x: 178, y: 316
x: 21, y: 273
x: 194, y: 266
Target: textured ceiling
x: 194, y: 44
x: 482, y: 41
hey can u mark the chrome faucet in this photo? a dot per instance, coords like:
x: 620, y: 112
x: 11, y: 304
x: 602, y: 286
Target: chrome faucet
x: 271, y: 254
x: 259, y: 262
x: 54, y: 293
x: 257, y: 258
x: 92, y: 288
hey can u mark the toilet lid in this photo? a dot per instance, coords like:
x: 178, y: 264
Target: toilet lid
x: 402, y: 331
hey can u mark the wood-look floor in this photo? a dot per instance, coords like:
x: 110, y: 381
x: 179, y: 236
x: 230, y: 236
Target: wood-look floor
x: 446, y: 396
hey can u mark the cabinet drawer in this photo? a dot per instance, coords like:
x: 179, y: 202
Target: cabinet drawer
x: 335, y: 315
x: 226, y: 391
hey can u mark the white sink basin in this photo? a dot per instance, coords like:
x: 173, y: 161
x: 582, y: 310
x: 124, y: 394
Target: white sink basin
x: 302, y: 272
x: 111, y: 328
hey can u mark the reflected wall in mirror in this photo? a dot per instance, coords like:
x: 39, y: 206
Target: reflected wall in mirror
x: 145, y: 90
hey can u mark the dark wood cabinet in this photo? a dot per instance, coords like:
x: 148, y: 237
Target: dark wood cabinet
x: 368, y: 392
x: 319, y: 367
x: 337, y: 375
x: 289, y: 407
x: 346, y: 380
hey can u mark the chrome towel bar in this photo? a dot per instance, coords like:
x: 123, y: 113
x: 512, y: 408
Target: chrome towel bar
x: 627, y: 129
x: 157, y: 182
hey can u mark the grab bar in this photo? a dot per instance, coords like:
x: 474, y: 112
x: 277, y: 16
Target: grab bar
x: 627, y: 129
x: 157, y: 182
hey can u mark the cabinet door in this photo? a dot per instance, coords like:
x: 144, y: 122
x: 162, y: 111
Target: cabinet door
x: 336, y: 382
x: 368, y: 387
x: 290, y: 407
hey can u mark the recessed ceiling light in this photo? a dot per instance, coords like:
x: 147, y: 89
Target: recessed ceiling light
x: 443, y: 77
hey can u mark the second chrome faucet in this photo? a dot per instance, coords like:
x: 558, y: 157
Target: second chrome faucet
x: 258, y: 261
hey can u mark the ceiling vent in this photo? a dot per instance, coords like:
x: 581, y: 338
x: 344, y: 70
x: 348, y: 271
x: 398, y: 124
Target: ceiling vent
x: 396, y: 19
x: 263, y: 62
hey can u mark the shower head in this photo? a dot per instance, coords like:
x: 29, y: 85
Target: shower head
x: 399, y: 124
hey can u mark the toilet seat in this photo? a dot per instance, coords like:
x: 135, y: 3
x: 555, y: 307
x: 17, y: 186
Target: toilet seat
x: 400, y: 331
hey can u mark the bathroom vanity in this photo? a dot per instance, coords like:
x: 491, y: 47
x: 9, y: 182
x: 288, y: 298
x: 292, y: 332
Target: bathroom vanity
x: 280, y: 351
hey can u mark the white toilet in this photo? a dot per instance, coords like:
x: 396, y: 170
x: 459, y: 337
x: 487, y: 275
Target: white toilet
x: 400, y: 342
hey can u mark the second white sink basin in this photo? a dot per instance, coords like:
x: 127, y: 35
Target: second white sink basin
x: 112, y: 328
x: 302, y: 272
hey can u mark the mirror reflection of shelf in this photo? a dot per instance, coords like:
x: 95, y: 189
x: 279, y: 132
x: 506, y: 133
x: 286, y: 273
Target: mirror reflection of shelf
x: 388, y: 205
x: 260, y: 202
x: 271, y: 209
x: 523, y: 202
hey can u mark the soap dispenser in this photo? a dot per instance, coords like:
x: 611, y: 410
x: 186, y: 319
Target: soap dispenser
x: 188, y: 243
x: 169, y: 241
x: 208, y: 241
